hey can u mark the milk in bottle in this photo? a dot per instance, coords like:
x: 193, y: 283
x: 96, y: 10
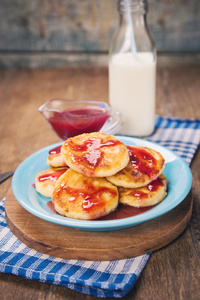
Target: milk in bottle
x: 132, y: 91
x: 132, y: 69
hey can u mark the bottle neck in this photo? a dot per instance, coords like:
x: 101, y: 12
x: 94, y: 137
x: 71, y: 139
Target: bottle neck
x: 134, y: 6
x: 134, y: 9
x: 132, y: 34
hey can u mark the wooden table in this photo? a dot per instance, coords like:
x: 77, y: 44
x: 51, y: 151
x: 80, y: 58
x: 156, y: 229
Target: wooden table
x: 172, y: 272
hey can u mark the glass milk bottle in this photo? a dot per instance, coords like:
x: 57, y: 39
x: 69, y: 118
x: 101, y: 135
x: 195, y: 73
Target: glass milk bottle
x: 132, y: 69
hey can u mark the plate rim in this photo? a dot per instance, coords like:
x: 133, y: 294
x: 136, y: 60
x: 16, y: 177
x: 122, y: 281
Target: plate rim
x: 96, y: 225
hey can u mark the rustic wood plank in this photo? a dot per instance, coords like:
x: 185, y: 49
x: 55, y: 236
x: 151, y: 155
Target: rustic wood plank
x: 29, y: 289
x: 176, y: 263
x: 88, y: 25
x: 73, y: 26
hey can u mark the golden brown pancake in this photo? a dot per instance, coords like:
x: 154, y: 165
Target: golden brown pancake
x: 145, y: 165
x: 45, y: 180
x: 55, y: 158
x: 80, y: 197
x: 95, y: 154
x: 148, y: 195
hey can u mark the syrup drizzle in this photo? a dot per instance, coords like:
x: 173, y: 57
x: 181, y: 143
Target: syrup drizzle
x: 138, y: 194
x: 152, y: 186
x: 91, y: 151
x: 52, y: 176
x: 142, y: 161
x: 56, y: 150
x: 155, y: 184
x: 93, y: 196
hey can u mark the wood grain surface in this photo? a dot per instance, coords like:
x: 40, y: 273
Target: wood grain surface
x: 48, y: 32
x: 70, y: 243
x: 172, y: 272
x: 87, y: 25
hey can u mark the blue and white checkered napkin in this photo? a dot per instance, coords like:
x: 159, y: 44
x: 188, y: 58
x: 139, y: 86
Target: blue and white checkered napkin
x: 99, y: 278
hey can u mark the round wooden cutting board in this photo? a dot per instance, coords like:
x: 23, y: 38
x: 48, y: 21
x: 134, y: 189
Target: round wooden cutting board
x: 69, y: 243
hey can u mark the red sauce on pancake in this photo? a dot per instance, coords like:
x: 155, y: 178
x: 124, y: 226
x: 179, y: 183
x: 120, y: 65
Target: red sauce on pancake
x: 142, y: 161
x: 152, y: 186
x: 92, y: 197
x: 56, y: 150
x: 138, y: 194
x: 91, y: 153
x: 52, y: 176
x: 155, y: 184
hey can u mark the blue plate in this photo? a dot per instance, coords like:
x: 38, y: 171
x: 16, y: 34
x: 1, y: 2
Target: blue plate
x: 178, y: 175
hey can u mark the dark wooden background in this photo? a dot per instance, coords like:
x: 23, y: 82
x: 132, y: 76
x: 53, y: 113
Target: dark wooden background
x: 77, y: 32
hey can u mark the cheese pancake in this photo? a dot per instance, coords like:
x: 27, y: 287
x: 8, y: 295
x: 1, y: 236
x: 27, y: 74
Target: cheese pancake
x: 55, y: 158
x: 79, y: 197
x: 45, y: 180
x: 95, y: 154
x: 148, y: 195
x: 145, y: 165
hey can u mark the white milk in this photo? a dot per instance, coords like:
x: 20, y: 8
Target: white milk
x: 132, y: 91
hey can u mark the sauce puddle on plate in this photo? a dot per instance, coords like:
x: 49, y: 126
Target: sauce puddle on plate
x: 122, y: 212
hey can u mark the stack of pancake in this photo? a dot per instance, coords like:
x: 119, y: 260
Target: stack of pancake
x: 95, y: 172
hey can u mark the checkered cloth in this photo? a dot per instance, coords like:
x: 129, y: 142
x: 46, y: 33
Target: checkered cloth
x: 99, y: 278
